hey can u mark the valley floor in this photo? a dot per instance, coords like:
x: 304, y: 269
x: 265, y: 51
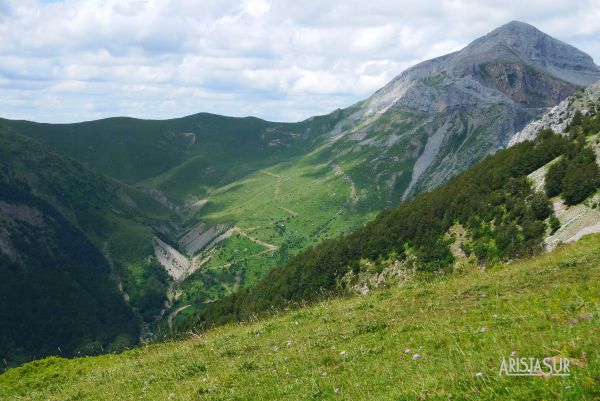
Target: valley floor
x: 442, y: 339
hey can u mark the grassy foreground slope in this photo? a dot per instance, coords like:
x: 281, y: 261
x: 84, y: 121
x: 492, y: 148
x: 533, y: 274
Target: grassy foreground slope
x: 461, y: 327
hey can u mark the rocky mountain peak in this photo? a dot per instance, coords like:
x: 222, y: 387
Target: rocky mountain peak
x: 443, y: 114
x: 520, y: 42
x: 515, y: 63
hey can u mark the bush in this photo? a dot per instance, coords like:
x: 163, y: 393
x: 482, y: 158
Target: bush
x: 540, y: 206
x: 554, y: 223
x: 555, y: 177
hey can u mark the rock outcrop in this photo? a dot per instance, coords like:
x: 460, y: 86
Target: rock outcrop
x: 559, y: 117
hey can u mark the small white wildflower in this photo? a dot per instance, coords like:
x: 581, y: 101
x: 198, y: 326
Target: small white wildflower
x: 495, y: 316
x: 343, y: 353
x: 478, y: 374
x: 483, y: 329
x: 336, y: 390
x: 324, y: 374
x: 407, y: 350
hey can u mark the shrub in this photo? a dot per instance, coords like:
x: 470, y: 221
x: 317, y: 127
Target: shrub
x: 554, y: 178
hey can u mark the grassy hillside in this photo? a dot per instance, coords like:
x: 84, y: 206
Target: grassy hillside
x: 189, y: 153
x: 361, y: 348
x: 251, y: 173
x: 287, y: 207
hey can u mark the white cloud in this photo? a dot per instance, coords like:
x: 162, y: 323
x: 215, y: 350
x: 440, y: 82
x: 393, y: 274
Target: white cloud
x: 74, y: 60
x: 256, y: 8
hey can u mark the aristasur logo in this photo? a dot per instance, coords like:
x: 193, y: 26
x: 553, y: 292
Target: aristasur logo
x: 531, y: 366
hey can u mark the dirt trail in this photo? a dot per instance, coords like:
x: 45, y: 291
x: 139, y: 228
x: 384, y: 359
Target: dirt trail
x: 277, y: 183
x: 228, y: 265
x: 270, y: 247
x: 290, y: 211
x: 271, y: 174
x: 236, y: 229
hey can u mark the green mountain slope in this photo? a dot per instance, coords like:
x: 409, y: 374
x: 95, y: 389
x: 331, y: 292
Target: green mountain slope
x: 76, y: 256
x: 461, y: 327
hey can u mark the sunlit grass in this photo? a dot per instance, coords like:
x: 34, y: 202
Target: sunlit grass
x: 363, y: 348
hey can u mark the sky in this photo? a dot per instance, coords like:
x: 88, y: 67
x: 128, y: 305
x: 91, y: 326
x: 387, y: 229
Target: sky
x: 286, y: 60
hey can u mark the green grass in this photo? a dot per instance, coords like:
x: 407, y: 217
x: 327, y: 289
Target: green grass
x: 542, y: 307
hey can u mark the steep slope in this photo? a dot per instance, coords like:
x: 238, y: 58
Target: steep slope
x: 577, y: 115
x: 560, y: 116
x: 70, y: 242
x: 428, y: 124
x: 431, y: 339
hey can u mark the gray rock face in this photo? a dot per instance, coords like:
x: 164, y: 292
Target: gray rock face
x: 520, y: 42
x: 449, y: 112
x: 559, y: 117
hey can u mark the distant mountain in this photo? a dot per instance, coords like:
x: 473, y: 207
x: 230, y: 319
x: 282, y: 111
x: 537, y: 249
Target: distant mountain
x: 442, y: 115
x: 197, y: 151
